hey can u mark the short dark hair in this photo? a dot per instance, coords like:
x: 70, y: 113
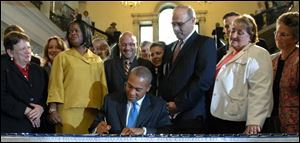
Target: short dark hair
x: 12, y: 38
x: 142, y: 72
x: 86, y: 33
x: 159, y: 44
x: 229, y: 14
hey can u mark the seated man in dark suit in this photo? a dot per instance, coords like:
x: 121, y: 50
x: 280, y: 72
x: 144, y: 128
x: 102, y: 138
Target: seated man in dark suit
x: 137, y: 113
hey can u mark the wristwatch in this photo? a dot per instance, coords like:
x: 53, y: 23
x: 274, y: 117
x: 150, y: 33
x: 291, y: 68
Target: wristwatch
x: 52, y: 110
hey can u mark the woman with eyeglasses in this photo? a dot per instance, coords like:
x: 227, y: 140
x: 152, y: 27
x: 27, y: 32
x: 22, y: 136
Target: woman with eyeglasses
x: 286, y: 73
x: 242, y: 96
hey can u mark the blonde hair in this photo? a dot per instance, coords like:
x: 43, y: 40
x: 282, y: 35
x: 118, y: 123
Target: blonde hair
x: 61, y: 45
x: 246, y: 21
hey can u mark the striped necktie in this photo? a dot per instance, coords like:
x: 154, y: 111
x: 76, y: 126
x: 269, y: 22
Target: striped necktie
x: 177, y: 50
x: 126, y: 66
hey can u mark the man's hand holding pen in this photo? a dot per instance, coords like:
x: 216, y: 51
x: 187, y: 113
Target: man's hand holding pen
x: 103, y: 128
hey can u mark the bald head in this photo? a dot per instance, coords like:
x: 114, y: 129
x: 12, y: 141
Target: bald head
x: 183, y: 21
x: 187, y: 9
x: 127, y: 45
x: 126, y: 35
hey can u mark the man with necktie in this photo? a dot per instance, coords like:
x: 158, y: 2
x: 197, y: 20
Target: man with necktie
x: 134, y: 112
x: 188, y: 68
x: 117, y: 68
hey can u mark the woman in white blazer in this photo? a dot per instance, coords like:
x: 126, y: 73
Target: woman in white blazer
x: 242, y: 97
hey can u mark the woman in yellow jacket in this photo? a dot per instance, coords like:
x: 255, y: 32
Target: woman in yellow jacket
x: 77, y: 83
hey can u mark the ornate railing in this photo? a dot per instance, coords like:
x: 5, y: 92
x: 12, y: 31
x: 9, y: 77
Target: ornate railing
x: 269, y: 16
x: 37, y: 4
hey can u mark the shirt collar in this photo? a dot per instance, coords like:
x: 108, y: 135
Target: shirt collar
x: 25, y: 69
x: 139, y: 102
x: 188, y: 36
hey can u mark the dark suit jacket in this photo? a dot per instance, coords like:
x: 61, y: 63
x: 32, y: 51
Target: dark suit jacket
x: 16, y: 94
x: 153, y: 114
x: 187, y: 81
x: 115, y: 75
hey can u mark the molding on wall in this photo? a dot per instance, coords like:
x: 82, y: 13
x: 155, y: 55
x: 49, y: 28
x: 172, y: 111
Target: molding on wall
x: 37, y: 25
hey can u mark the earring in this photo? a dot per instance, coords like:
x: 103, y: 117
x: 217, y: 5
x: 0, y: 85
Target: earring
x: 11, y: 58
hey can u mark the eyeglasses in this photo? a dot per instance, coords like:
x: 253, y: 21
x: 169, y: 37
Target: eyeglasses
x: 282, y: 34
x: 127, y: 44
x: 180, y: 24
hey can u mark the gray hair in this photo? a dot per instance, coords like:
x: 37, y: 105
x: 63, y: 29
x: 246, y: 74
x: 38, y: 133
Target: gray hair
x: 290, y: 19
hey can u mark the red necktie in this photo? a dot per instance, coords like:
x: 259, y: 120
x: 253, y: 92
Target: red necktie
x: 177, y: 50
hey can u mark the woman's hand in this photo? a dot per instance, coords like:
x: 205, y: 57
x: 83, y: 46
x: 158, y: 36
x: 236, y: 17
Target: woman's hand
x: 252, y: 129
x: 36, y: 112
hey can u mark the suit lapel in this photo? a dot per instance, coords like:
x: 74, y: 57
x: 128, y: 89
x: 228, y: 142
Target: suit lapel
x: 18, y: 72
x: 145, y: 111
x: 120, y: 67
x: 241, y: 53
x: 134, y: 63
x: 182, y: 52
x: 15, y: 69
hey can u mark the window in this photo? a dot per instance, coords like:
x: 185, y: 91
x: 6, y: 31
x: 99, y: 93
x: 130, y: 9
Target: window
x: 146, y: 33
x: 166, y: 33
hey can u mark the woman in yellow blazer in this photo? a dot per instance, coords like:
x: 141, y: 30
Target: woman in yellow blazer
x: 77, y: 83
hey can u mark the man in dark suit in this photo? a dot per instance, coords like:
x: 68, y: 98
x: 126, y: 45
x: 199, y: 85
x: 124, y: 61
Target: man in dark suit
x: 116, y: 114
x: 115, y: 68
x: 187, y: 76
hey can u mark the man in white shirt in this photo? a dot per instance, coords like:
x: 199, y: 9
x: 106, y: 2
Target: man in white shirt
x: 150, y: 111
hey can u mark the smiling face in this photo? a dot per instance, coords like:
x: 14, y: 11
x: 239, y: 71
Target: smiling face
x: 100, y: 48
x: 157, y: 53
x: 53, y: 49
x: 21, y: 53
x: 127, y: 45
x: 145, y: 52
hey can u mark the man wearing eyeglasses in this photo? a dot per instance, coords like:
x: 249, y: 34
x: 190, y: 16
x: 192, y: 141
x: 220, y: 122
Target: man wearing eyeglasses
x: 117, y: 68
x: 188, y: 68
